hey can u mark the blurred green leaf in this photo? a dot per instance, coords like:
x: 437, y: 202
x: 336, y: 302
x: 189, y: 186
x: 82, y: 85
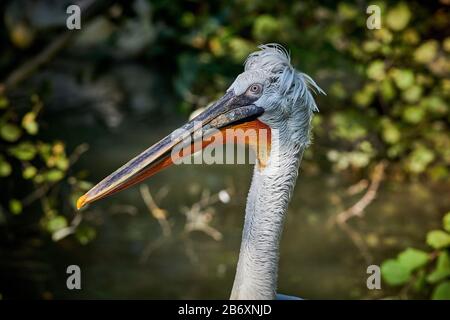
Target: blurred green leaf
x: 412, y: 259
x: 29, y: 172
x: 394, y: 273
x: 85, y: 234
x: 398, y: 17
x: 15, y: 206
x: 442, y: 269
x: 375, y: 70
x: 412, y: 94
x: 438, y: 239
x: 442, y: 291
x: 446, y: 222
x: 62, y: 163
x: 23, y: 151
x: 10, y: 132
x: 413, y: 114
x: 265, y: 27
x: 426, y: 52
x: 5, y: 167
x: 3, y: 102
x: 419, y: 159
x: 349, y: 125
x: 403, y: 78
x: 390, y: 132
x: 347, y: 11
x: 435, y: 104
x: 387, y: 90
x: 29, y: 123
x: 54, y: 175
x: 56, y: 223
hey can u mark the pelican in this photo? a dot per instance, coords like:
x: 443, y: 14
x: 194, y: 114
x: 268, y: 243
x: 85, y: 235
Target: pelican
x: 270, y: 96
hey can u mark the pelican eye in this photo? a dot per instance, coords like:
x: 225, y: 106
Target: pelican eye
x: 255, y: 89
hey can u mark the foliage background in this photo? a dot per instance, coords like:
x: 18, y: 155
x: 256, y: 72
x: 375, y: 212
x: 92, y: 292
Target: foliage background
x: 387, y: 96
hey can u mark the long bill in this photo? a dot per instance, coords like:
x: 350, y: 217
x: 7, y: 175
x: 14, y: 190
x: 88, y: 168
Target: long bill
x: 230, y: 111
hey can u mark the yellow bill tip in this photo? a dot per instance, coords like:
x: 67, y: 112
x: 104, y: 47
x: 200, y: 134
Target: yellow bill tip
x: 81, y: 201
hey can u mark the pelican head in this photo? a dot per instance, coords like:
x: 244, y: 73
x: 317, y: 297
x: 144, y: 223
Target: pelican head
x: 270, y: 96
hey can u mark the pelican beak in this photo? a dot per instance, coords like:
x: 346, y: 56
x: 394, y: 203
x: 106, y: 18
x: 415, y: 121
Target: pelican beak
x: 229, y: 111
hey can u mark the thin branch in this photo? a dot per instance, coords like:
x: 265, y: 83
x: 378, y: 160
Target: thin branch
x: 30, y: 66
x: 357, y: 210
x: 89, y: 8
x: 159, y: 214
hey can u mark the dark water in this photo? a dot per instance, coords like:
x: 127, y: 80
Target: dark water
x: 317, y: 260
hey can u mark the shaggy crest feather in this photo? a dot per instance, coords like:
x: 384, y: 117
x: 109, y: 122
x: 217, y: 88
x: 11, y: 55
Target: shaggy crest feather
x: 275, y: 60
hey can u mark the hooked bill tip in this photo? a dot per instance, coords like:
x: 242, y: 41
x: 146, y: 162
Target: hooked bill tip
x: 81, y: 201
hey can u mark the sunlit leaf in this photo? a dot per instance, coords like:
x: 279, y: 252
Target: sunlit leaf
x: 384, y: 35
x: 62, y: 163
x: 412, y: 258
x: 349, y: 125
x: 412, y: 94
x: 403, y: 78
x: 15, y: 206
x: 29, y: 172
x: 56, y: 223
x: 426, y: 52
x: 411, y: 36
x: 10, y: 132
x: 446, y: 44
x: 29, y: 123
x: 365, y: 96
x: 438, y: 239
x: 58, y: 148
x: 398, y: 17
x: 442, y: 291
x: 375, y: 70
x: 419, y: 159
x: 5, y: 167
x: 413, y: 114
x: 394, y: 273
x: 390, y: 132
x: 446, y: 222
x: 387, y: 90
x: 23, y: 151
x: 21, y: 35
x: 54, y: 175
x: 442, y: 269
x: 435, y: 104
x: 347, y: 10
x: 39, y: 178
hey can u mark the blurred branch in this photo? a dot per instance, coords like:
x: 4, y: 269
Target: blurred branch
x: 357, y: 210
x: 89, y: 8
x: 64, y: 232
x: 159, y: 214
x: 198, y: 218
x: 30, y: 66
